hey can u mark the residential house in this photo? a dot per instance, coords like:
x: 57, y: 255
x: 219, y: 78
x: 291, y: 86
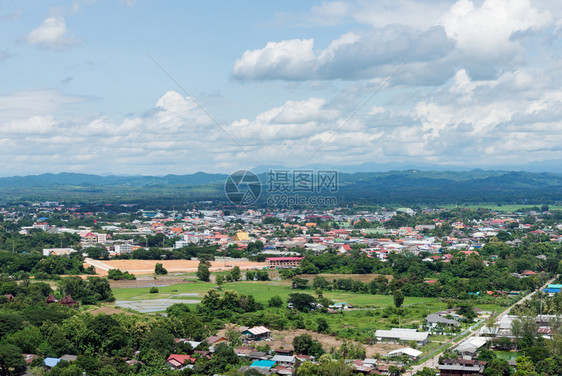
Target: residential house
x: 257, y: 333
x: 284, y: 360
x: 434, y: 320
x: 179, y: 361
x: 461, y: 367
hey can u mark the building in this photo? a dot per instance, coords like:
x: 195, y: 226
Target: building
x: 283, y: 262
x: 57, y: 251
x: 553, y: 289
x: 403, y: 335
x: 241, y: 236
x: 461, y: 367
x: 469, y: 348
x: 257, y: 333
x: 434, y: 320
x: 412, y: 354
x: 284, y: 360
x: 123, y: 248
x: 179, y: 361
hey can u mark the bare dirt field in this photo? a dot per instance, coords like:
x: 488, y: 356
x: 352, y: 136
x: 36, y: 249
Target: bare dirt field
x: 173, y: 266
x: 284, y: 339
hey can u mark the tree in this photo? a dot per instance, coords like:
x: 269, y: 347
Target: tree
x: 323, y: 326
x: 299, y: 283
x: 177, y: 310
x: 10, y: 359
x: 302, y: 302
x: 305, y: 345
x: 398, y: 298
x: 426, y: 372
x: 275, y: 301
x: 203, y: 272
x: 235, y: 274
x: 234, y: 338
x: 219, y: 279
x: 497, y: 367
x: 97, y: 253
x: 326, y: 366
x: 159, y: 269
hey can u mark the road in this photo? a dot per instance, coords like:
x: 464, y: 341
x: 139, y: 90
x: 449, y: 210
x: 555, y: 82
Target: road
x: 475, y: 329
x: 98, y: 264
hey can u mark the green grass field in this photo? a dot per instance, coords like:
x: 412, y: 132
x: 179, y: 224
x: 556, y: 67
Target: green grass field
x: 262, y: 292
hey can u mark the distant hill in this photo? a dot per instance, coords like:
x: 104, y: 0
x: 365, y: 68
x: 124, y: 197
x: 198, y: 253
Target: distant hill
x: 409, y: 186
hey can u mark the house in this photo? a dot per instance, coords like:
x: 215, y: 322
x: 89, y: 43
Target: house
x: 51, y: 299
x: 69, y: 302
x: 284, y: 360
x: 284, y: 351
x: 215, y: 340
x: 193, y: 344
x: 243, y: 351
x: 58, y: 251
x: 433, y: 320
x: 69, y: 358
x: 412, y: 354
x: 341, y: 306
x: 179, y: 361
x: 257, y: 333
x: 51, y: 362
x: 403, y: 335
x: 469, y: 348
x: 267, y: 364
x: 461, y: 367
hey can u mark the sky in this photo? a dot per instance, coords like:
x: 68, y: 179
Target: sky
x: 179, y: 86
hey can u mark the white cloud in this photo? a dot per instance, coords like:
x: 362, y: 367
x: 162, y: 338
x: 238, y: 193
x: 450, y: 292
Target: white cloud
x: 351, y: 56
x: 487, y: 31
x: 51, y: 34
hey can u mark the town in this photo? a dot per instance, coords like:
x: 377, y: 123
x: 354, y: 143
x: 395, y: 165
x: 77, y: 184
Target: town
x: 108, y: 289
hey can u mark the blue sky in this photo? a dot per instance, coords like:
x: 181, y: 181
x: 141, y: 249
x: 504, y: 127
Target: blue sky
x: 479, y: 84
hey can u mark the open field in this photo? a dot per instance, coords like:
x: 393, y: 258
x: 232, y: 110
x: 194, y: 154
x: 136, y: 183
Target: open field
x: 140, y: 267
x: 285, y: 339
x: 262, y: 292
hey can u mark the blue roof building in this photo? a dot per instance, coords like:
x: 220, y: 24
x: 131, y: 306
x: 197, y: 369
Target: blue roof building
x: 51, y: 362
x: 263, y: 364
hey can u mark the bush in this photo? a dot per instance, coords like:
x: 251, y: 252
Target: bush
x: 159, y: 269
x: 154, y: 290
x: 275, y: 301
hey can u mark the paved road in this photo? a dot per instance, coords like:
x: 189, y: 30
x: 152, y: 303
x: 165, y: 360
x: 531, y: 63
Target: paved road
x: 475, y: 329
x: 98, y: 264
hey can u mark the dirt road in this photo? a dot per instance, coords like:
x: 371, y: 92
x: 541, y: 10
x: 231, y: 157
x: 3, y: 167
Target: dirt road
x: 474, y: 330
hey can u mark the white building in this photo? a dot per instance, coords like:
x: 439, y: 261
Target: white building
x: 123, y: 248
x: 403, y: 335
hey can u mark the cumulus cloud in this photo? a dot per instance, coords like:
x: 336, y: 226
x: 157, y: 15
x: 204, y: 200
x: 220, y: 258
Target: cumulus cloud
x: 464, y: 123
x: 487, y: 31
x: 51, y: 34
x: 484, y: 38
x: 351, y: 56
